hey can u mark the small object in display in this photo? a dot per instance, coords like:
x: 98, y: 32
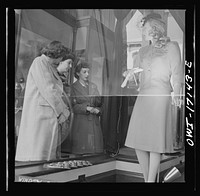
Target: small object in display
x: 72, y: 164
x: 68, y: 164
x: 85, y: 163
x: 80, y: 163
x: 88, y: 163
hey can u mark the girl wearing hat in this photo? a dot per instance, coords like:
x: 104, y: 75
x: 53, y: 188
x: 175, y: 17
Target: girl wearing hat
x: 150, y: 127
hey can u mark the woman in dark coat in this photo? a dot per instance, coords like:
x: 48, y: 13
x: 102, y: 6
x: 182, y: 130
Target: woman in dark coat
x: 86, y: 129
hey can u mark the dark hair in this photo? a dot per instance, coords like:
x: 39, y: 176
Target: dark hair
x: 69, y: 55
x: 54, y: 50
x: 79, y: 66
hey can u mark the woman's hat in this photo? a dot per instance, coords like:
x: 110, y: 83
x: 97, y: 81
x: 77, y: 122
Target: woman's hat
x: 154, y: 16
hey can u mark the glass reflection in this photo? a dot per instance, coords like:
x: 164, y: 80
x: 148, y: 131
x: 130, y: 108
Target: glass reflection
x: 109, y: 41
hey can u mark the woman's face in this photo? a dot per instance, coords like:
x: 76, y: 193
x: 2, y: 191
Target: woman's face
x: 84, y: 74
x: 64, y: 66
x: 147, y: 31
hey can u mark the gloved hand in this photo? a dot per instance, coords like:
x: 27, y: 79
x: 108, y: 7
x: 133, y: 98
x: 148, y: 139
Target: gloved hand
x: 63, y: 116
x: 176, y: 101
x: 66, y: 113
x: 94, y: 111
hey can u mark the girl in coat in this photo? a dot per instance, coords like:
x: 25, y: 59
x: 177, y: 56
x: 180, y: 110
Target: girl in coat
x: 86, y: 102
x: 43, y: 108
x: 150, y: 127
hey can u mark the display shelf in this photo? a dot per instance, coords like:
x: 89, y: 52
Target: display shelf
x: 123, y: 167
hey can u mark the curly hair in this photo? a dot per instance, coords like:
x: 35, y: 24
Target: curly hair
x: 54, y: 50
x: 79, y: 66
x: 158, y: 28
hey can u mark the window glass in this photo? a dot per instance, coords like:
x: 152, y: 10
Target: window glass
x: 108, y: 40
x: 99, y: 53
x: 174, y: 32
x: 37, y: 28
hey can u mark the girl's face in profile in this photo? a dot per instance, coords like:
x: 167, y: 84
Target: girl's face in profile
x: 84, y: 74
x: 55, y: 62
x: 64, y: 66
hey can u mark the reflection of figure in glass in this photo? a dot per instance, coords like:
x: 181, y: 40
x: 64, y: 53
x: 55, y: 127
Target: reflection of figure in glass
x: 64, y: 67
x: 150, y: 128
x: 43, y: 107
x: 64, y: 71
x: 86, y: 102
x: 19, y: 98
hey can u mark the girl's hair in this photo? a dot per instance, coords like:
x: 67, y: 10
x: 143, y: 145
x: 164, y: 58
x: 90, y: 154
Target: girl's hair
x: 54, y: 50
x: 79, y: 66
x: 69, y: 55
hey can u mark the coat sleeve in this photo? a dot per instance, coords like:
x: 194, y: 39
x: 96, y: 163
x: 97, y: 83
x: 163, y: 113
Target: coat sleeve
x: 96, y: 99
x: 43, y: 79
x: 78, y: 108
x: 176, y: 65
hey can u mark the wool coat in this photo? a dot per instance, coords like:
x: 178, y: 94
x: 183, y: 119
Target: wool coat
x: 86, y: 129
x: 38, y: 133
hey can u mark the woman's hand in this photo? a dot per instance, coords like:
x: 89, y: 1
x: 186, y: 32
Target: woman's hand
x: 176, y: 101
x: 125, y: 73
x: 63, y: 116
x: 129, y: 71
x: 66, y: 113
x: 92, y: 110
x: 89, y: 108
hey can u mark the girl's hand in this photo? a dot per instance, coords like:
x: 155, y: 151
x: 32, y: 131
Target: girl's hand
x: 61, y: 118
x: 89, y: 108
x: 93, y: 110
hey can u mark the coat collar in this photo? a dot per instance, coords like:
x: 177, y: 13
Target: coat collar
x: 55, y: 73
x: 53, y: 69
x: 83, y: 90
